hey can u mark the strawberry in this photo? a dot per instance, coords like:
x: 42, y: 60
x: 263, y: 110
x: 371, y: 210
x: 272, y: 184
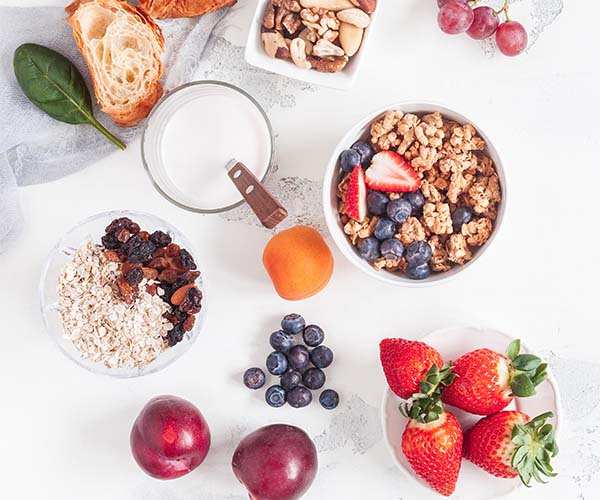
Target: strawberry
x: 487, y: 381
x: 434, y: 450
x: 356, y: 196
x: 509, y: 444
x: 406, y: 363
x: 391, y: 173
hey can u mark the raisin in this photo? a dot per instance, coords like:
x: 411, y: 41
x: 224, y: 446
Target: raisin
x: 180, y: 315
x: 134, y: 276
x: 149, y: 273
x: 192, y: 302
x: 179, y: 283
x: 138, y: 249
x: 188, y: 324
x: 110, y: 241
x: 145, y: 235
x: 123, y: 235
x: 168, y: 291
x: 173, y: 250
x: 186, y: 259
x: 122, y: 223
x: 158, y: 263
x: 160, y: 239
x: 175, y: 335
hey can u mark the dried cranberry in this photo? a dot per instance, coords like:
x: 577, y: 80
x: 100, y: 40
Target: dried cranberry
x: 160, y: 239
x: 175, y: 335
x: 186, y: 259
x: 192, y: 302
x: 110, y: 241
x: 134, y: 276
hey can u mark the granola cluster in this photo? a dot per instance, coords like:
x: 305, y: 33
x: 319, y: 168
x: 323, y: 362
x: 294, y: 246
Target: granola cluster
x: 455, y: 172
x: 317, y: 34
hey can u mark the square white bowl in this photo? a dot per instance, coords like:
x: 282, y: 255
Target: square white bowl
x: 256, y: 56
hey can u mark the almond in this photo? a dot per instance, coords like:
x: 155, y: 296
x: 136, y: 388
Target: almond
x: 334, y: 5
x: 368, y: 6
x: 179, y: 294
x: 350, y: 38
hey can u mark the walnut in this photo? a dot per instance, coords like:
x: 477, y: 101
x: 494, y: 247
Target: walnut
x: 437, y: 218
x: 439, y: 258
x: 477, y: 231
x: 411, y: 230
x: 320, y: 20
x: 269, y: 17
x: 292, y: 23
x: 458, y: 250
x: 328, y: 64
x: 484, y: 194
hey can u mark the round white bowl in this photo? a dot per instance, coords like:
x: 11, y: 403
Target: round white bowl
x: 332, y: 177
x: 473, y: 483
x: 92, y: 229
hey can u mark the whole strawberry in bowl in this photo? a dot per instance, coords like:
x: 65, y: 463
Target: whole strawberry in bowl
x: 414, y: 193
x: 483, y: 476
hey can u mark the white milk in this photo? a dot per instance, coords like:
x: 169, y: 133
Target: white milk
x: 210, y: 125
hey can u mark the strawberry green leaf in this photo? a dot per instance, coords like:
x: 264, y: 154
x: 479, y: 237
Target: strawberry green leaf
x: 513, y: 349
x: 522, y: 386
x: 526, y: 362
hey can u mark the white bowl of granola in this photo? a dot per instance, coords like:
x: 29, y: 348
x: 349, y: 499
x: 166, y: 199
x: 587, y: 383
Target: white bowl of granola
x: 108, y: 297
x: 322, y: 42
x: 457, y: 166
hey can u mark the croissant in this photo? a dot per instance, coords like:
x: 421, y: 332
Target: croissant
x: 122, y: 47
x: 183, y: 8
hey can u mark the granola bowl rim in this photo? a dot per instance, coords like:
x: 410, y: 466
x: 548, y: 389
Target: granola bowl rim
x: 49, y: 307
x: 331, y: 180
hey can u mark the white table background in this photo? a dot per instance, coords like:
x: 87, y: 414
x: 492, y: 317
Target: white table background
x: 65, y: 432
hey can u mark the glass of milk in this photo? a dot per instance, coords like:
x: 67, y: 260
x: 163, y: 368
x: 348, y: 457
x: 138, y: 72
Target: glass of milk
x: 190, y: 136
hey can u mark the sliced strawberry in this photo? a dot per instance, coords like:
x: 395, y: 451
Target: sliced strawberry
x: 356, y: 197
x: 390, y: 172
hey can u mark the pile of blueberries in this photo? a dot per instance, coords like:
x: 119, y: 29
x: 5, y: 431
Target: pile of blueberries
x: 300, y: 369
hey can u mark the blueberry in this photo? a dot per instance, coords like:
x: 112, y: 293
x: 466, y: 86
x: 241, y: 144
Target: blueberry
x: 384, y: 229
x: 290, y: 379
x: 277, y: 363
x: 299, y: 397
x: 418, y: 252
x: 392, y: 249
x: 275, y: 396
x: 314, y: 378
x: 418, y: 271
x: 321, y: 356
x: 313, y: 335
x: 298, y: 357
x: 254, y: 378
x: 416, y: 199
x: 281, y: 341
x: 329, y: 399
x: 399, y: 210
x: 369, y: 248
x: 377, y: 202
x: 349, y: 160
x: 461, y: 215
x: 293, y: 323
x: 364, y: 150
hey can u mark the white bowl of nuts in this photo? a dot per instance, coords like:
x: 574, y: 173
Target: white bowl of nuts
x: 414, y: 194
x: 121, y: 294
x: 317, y: 41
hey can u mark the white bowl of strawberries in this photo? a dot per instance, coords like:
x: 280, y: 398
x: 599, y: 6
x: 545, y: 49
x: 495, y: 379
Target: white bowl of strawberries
x: 505, y: 440
x: 414, y: 194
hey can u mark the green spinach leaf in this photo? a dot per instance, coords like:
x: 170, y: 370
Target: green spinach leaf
x: 55, y: 86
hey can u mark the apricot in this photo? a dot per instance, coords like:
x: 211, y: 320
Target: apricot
x: 299, y: 262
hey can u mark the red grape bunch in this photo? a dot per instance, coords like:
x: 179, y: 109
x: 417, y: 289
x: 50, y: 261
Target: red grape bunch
x: 458, y: 16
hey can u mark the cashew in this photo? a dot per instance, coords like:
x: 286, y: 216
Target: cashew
x: 323, y: 48
x: 334, y: 5
x: 298, y: 52
x: 354, y: 16
x: 350, y: 38
x: 309, y: 37
x: 274, y: 44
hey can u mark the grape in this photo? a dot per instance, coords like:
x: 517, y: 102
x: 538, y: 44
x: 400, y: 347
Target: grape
x: 441, y: 3
x: 511, y: 38
x: 455, y: 17
x: 485, y: 22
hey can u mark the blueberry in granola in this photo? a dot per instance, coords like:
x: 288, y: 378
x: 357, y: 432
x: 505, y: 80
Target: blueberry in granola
x: 384, y: 229
x: 418, y: 271
x: 461, y: 215
x: 418, y: 252
x: 416, y: 199
x: 392, y: 249
x: 349, y: 159
x: 369, y: 248
x: 365, y: 151
x: 399, y: 210
x: 377, y: 202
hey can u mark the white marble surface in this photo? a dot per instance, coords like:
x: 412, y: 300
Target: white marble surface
x: 65, y: 432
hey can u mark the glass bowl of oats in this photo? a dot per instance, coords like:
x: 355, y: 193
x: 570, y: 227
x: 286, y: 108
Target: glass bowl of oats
x: 414, y: 194
x: 121, y: 294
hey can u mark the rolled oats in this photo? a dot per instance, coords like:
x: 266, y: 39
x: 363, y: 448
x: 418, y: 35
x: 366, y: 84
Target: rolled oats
x: 478, y: 231
x: 458, y: 250
x: 437, y: 218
